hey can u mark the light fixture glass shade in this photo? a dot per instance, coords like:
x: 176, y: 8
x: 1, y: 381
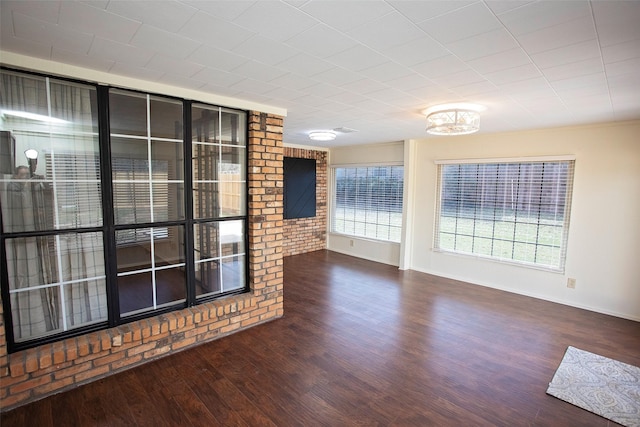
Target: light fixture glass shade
x: 322, y: 135
x: 31, y: 153
x: 453, y: 122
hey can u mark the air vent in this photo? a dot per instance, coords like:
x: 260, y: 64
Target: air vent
x: 345, y: 130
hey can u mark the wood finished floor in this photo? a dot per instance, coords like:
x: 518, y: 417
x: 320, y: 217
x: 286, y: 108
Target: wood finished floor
x: 361, y: 344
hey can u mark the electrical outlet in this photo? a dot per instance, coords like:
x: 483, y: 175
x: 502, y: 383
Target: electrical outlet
x: 571, y: 283
x: 351, y: 243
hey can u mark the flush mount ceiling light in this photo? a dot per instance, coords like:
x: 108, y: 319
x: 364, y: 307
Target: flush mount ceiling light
x: 453, y: 119
x: 322, y: 135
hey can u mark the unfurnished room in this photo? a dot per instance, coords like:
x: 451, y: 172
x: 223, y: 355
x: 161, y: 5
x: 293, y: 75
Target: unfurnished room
x: 319, y: 213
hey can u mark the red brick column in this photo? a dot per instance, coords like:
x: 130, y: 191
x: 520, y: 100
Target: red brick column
x: 266, y: 207
x: 303, y: 235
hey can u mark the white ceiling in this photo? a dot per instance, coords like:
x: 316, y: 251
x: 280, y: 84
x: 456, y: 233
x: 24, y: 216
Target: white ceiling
x: 369, y: 65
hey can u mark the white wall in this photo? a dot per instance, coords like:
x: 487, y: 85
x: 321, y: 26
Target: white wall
x: 364, y: 155
x: 603, y: 252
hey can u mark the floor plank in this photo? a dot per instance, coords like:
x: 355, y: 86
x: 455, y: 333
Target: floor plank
x: 361, y: 344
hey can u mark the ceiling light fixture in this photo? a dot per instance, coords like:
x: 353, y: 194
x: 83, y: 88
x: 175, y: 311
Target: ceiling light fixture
x: 453, y: 119
x: 322, y: 135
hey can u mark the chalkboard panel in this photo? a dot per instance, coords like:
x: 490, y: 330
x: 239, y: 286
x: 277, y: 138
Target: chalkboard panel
x: 299, y: 188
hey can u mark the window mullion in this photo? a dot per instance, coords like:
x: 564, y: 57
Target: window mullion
x: 108, y: 194
x: 187, y: 149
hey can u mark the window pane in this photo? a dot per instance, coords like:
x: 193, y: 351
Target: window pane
x: 133, y: 249
x: 127, y: 113
x: 233, y: 273
x: 36, y: 313
x: 166, y: 118
x: 208, y: 278
x: 135, y: 292
x: 205, y: 200
x: 43, y: 260
x: 43, y: 271
x: 167, y: 160
x: 131, y: 203
x: 368, y: 202
x: 133, y: 190
x: 231, y: 237
x: 59, y: 187
x: 151, y: 290
x: 206, y: 241
x: 168, y: 201
x: 232, y: 198
x: 143, y: 255
x: 513, y: 211
x: 233, y: 127
x: 220, y: 246
x: 171, y: 286
x: 129, y: 158
x: 218, y: 162
x: 168, y: 245
x: 86, y: 302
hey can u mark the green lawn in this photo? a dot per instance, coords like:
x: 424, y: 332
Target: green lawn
x: 373, y: 225
x: 525, y: 241
x: 522, y: 241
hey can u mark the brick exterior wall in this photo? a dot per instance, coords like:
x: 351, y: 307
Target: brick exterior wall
x: 303, y: 235
x: 32, y: 374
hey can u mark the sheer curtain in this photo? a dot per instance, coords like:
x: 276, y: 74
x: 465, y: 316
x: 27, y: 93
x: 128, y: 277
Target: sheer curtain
x: 56, y: 281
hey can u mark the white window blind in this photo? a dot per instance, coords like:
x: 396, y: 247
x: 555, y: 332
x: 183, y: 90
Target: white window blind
x: 75, y: 181
x: 368, y: 202
x: 515, y: 211
x: 133, y: 194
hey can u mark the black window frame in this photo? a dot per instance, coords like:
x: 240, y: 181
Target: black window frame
x: 109, y: 228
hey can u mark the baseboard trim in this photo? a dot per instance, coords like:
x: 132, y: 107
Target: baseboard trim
x: 530, y: 294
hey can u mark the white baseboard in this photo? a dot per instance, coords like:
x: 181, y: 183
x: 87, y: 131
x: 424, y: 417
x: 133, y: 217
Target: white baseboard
x: 532, y: 295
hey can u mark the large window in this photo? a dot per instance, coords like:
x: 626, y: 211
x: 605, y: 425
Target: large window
x: 368, y: 202
x: 515, y: 211
x: 115, y: 205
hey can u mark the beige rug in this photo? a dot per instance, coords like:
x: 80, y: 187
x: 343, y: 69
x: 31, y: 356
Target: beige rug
x: 600, y: 385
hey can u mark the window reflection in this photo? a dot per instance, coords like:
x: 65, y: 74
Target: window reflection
x: 51, y: 187
x: 50, y: 181
x: 219, y: 163
x: 151, y: 268
x: 219, y: 252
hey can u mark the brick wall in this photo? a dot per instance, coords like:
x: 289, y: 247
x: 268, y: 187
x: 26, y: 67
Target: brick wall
x: 309, y: 234
x: 35, y: 373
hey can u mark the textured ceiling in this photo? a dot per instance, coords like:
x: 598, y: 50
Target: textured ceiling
x: 368, y: 65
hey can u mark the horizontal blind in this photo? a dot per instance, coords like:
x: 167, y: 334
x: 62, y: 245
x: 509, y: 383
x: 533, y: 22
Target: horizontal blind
x: 510, y: 211
x: 75, y: 178
x: 132, y: 194
x: 368, y: 202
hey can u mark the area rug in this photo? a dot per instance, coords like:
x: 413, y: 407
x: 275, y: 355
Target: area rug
x: 600, y: 385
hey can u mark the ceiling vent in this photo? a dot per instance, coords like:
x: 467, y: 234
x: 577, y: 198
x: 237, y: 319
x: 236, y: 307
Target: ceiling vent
x: 345, y: 130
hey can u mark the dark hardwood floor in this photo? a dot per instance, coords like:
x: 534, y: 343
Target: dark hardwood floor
x: 361, y: 344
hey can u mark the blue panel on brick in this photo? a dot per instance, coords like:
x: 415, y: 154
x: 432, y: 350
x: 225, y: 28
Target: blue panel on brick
x: 299, y: 188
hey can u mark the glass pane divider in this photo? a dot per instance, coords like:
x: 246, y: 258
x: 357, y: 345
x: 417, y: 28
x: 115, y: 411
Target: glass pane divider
x: 220, y: 258
x: 51, y: 285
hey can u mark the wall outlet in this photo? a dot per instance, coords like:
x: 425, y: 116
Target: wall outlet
x: 571, y: 283
x: 351, y: 243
